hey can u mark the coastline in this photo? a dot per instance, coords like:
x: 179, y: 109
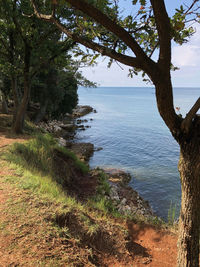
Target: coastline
x: 124, y: 198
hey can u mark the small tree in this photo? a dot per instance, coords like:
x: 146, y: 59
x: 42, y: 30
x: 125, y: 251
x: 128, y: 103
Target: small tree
x: 101, y: 30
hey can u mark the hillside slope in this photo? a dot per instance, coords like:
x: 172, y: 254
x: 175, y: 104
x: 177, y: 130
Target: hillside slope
x: 43, y: 223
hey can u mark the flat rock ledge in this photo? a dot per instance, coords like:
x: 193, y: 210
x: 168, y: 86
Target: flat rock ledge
x: 80, y: 111
x: 124, y: 197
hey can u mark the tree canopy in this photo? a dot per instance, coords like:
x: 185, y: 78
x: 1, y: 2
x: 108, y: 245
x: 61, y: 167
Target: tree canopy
x: 30, y: 49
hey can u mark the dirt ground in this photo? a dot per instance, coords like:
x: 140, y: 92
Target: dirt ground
x: 24, y: 240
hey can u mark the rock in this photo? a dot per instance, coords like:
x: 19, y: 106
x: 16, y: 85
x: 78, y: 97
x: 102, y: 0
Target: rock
x: 81, y: 126
x: 118, y: 176
x: 81, y: 121
x: 67, y: 118
x: 114, y: 193
x: 78, y: 121
x: 123, y: 201
x: 57, y: 128
x: 98, y: 149
x: 61, y: 141
x: 69, y: 127
x: 124, y: 197
x: 80, y: 111
x: 83, y: 150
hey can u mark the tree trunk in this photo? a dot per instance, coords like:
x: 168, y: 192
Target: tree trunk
x: 19, y: 121
x: 42, y: 112
x: 4, y: 104
x: 189, y: 221
x: 15, y: 96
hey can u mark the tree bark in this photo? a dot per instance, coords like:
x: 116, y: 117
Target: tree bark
x: 4, y: 104
x: 19, y: 121
x: 164, y: 99
x: 16, y: 97
x: 42, y: 112
x: 189, y: 221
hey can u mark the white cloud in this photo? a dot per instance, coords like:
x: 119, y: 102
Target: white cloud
x: 188, y: 54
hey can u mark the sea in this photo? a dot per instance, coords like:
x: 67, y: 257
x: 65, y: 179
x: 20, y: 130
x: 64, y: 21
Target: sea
x: 133, y: 137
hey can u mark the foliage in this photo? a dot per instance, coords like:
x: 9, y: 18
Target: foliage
x: 37, y: 155
x: 57, y: 89
x: 35, y: 57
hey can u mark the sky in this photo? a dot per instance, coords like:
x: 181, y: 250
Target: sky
x: 186, y: 57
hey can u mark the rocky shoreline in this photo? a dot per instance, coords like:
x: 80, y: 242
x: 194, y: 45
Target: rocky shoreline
x: 125, y: 199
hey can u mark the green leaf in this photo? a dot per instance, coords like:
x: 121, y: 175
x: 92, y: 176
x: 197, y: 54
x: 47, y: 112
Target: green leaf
x: 143, y: 2
x: 134, y: 2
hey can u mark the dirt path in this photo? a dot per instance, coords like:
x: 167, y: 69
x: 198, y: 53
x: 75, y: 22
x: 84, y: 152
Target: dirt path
x: 27, y: 239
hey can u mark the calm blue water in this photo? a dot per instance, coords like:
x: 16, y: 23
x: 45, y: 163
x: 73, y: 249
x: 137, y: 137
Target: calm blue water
x: 134, y: 138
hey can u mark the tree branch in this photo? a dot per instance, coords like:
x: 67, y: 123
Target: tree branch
x: 127, y: 60
x: 185, y: 126
x: 190, y: 7
x: 142, y: 61
x: 110, y: 25
x: 105, y: 51
x: 39, y: 15
x: 164, y: 30
x: 18, y: 27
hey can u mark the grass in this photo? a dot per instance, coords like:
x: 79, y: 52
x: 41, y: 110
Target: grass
x: 34, y: 169
x: 50, y: 226
x: 68, y: 220
x: 172, y: 214
x: 79, y: 164
x: 33, y: 162
x: 38, y: 153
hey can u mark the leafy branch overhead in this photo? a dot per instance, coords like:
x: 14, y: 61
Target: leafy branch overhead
x: 141, y: 26
x: 131, y: 40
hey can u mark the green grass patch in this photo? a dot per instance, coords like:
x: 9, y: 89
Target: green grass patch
x: 79, y: 164
x: 38, y: 154
x: 35, y: 169
x: 30, y: 128
x: 172, y: 214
